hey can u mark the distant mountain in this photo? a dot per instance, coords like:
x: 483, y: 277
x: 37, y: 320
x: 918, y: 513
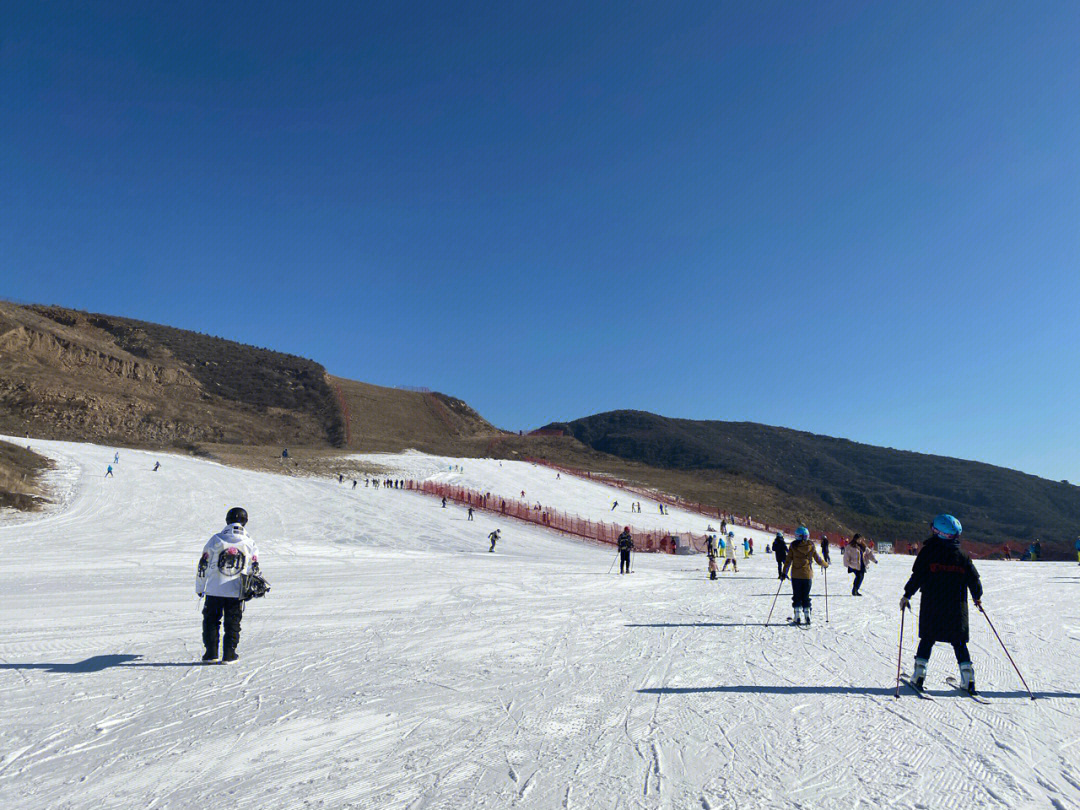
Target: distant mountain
x: 66, y: 374
x: 879, y: 491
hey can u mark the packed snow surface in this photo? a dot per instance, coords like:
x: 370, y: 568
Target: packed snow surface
x: 397, y: 664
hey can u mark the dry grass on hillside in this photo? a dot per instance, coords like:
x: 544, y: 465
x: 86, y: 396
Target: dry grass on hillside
x: 20, y: 473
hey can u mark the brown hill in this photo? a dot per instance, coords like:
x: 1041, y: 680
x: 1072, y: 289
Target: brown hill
x: 20, y: 474
x: 66, y: 374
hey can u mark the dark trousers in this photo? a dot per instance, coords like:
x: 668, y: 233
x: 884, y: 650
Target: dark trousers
x: 800, y: 592
x: 624, y: 562
x: 926, y: 646
x: 779, y: 566
x: 213, y: 610
x: 858, y: 580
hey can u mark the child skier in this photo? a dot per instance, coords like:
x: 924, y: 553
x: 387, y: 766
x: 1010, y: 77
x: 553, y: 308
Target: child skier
x: 746, y: 548
x: 944, y: 573
x: 108, y: 471
x: 226, y: 557
x: 710, y: 549
x: 800, y: 559
x: 729, y: 553
x: 493, y: 537
x: 626, y: 545
x: 470, y: 513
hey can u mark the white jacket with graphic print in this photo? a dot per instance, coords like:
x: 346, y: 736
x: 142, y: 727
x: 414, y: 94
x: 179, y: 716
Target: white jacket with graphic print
x: 228, y: 554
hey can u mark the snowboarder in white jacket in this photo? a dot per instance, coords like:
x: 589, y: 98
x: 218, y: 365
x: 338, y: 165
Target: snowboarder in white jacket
x: 226, y: 558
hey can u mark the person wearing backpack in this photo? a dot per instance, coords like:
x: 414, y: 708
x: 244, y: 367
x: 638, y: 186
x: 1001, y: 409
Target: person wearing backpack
x: 226, y: 558
x: 625, y: 545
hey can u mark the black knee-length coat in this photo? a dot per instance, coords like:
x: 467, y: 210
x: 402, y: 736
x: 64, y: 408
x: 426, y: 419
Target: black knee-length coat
x: 944, y: 574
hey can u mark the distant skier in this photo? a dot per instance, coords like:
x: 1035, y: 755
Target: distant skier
x: 856, y: 555
x: 751, y: 546
x: 226, y: 557
x: 746, y: 548
x: 108, y: 471
x: 354, y: 484
x: 800, y: 559
x: 616, y: 503
x: 729, y: 553
x: 710, y: 548
x: 470, y: 513
x: 1036, y: 551
x: 779, y: 548
x: 1007, y: 552
x: 444, y: 503
x: 341, y: 478
x: 944, y: 573
x: 116, y: 459
x: 493, y: 537
x: 626, y: 545
x: 825, y: 548
x: 157, y: 466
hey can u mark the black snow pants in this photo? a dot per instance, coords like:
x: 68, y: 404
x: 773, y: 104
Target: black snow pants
x: 800, y: 592
x: 858, y: 580
x: 624, y: 561
x: 215, y: 607
x: 926, y: 646
x: 780, y: 566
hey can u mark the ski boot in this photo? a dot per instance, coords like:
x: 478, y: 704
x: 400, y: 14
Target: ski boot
x: 229, y: 656
x: 798, y: 616
x: 918, y: 677
x: 806, y: 615
x: 967, y: 677
x: 210, y: 654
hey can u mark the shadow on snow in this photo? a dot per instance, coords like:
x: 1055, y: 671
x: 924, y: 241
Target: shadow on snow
x: 837, y: 690
x: 97, y: 663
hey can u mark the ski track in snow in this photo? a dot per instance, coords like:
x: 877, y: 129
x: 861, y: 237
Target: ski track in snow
x: 397, y: 664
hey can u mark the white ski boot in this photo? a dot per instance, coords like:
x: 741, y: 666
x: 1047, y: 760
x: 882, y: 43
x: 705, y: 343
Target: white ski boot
x: 918, y: 677
x: 967, y: 677
x: 798, y: 616
x: 806, y: 616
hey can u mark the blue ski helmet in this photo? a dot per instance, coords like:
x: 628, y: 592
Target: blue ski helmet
x: 946, y: 527
x: 802, y: 533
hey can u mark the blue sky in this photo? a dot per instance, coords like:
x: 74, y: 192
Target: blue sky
x: 858, y: 219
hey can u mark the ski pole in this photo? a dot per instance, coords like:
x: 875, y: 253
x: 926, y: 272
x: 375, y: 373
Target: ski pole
x: 825, y: 571
x: 612, y: 566
x: 900, y: 653
x: 1002, y: 643
x: 781, y: 585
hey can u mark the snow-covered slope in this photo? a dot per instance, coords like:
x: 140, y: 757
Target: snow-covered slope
x: 398, y: 664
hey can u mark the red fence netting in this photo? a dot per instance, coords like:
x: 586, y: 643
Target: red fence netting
x: 550, y: 518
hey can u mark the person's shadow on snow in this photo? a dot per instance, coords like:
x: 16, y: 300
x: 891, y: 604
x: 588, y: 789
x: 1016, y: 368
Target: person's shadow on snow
x: 97, y: 663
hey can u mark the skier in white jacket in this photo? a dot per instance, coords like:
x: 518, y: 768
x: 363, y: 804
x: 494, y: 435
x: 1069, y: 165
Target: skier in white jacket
x: 227, y: 556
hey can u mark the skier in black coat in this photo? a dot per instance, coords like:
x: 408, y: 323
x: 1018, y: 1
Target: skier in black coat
x: 626, y: 545
x: 944, y: 573
x: 779, y: 548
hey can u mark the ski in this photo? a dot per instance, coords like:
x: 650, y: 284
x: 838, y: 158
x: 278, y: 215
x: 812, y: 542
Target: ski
x: 955, y: 684
x: 920, y: 692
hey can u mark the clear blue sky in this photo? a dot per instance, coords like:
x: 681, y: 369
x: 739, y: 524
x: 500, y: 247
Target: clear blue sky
x: 859, y: 219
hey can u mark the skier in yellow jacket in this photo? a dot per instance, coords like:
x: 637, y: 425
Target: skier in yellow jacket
x: 800, y: 558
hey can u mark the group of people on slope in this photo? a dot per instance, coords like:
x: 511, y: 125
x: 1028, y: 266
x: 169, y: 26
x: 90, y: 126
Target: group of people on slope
x: 725, y: 545
x: 942, y: 572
